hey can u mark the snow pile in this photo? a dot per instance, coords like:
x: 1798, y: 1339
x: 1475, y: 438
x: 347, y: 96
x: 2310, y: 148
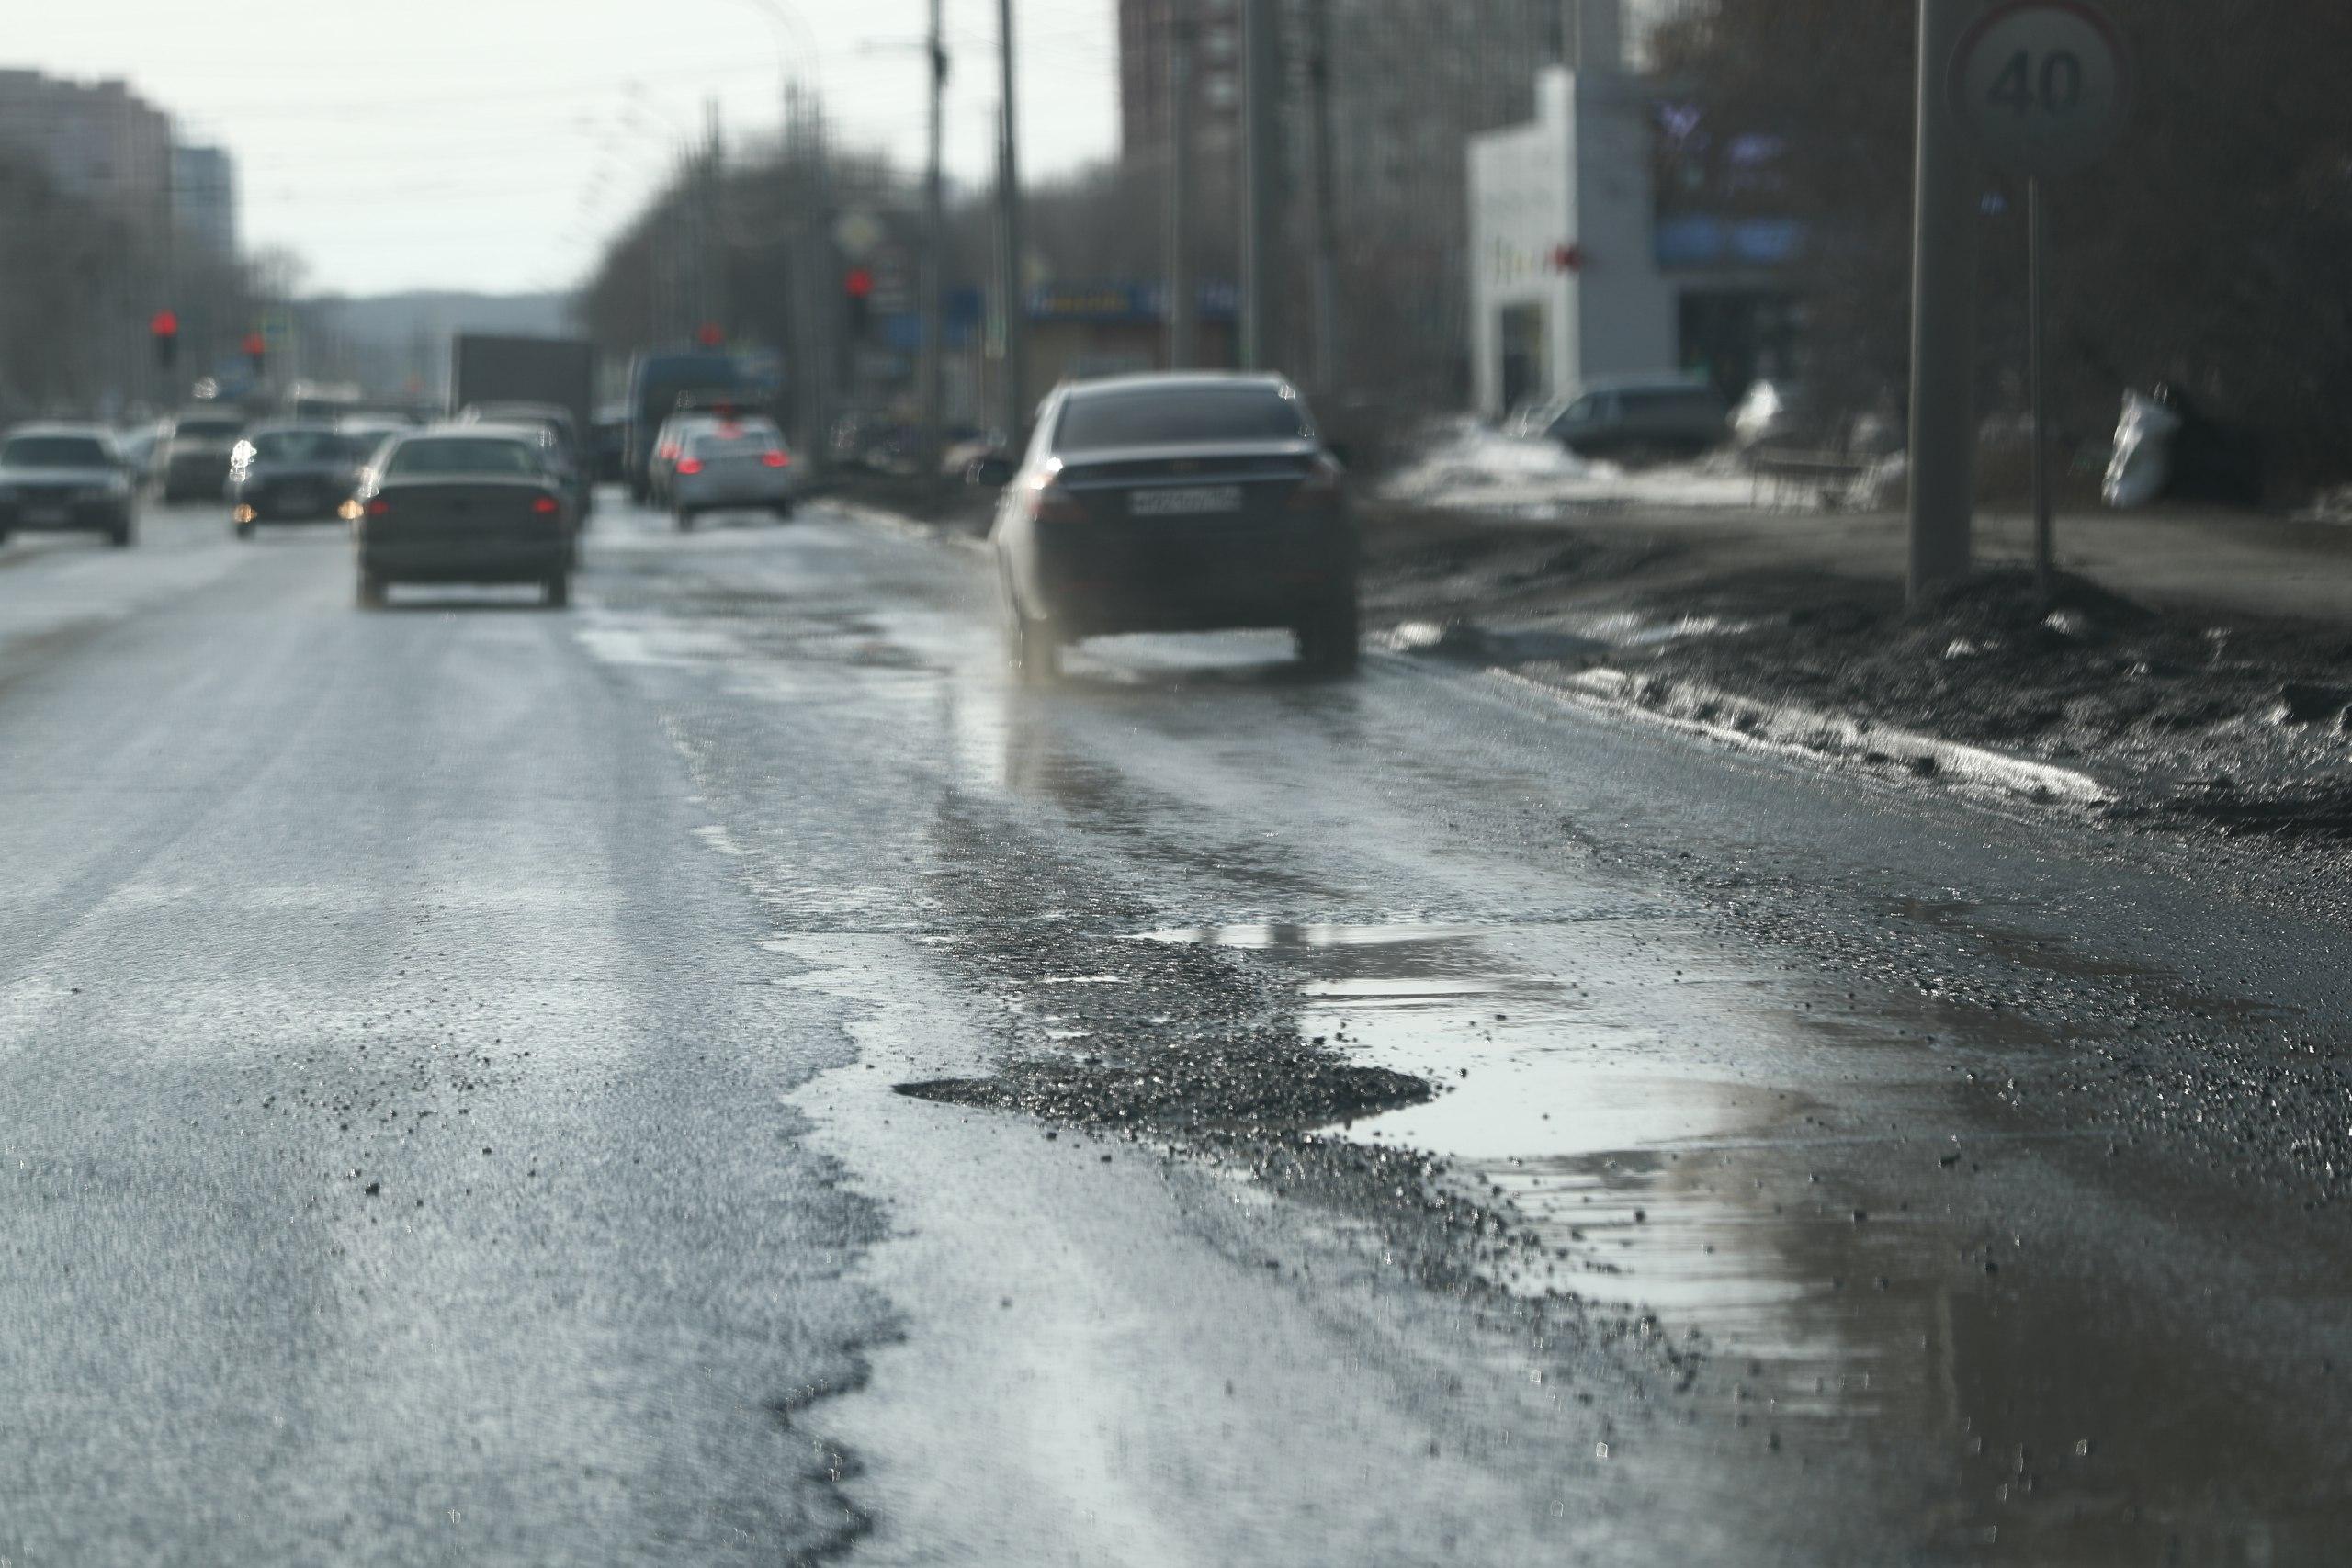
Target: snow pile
x: 1468, y: 465
x: 1464, y: 457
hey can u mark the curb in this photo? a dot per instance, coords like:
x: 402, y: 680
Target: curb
x: 1698, y: 710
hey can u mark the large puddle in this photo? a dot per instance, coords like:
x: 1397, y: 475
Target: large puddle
x: 1665, y: 1129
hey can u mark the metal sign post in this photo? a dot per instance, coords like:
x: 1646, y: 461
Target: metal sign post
x: 2042, y: 88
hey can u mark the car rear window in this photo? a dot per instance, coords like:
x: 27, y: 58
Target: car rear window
x: 461, y: 454
x: 1171, y: 416
x: 209, y: 429
x: 735, y: 438
x: 54, y: 452
x: 303, y: 446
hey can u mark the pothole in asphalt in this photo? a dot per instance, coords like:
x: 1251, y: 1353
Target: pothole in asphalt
x: 1658, y: 1174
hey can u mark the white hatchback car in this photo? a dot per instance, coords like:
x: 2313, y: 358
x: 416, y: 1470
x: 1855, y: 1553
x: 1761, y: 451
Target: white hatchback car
x: 742, y: 466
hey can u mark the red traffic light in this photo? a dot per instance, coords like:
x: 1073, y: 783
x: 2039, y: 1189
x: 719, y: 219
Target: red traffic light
x: 256, y: 345
x: 858, y: 283
x: 709, y: 335
x: 164, y: 324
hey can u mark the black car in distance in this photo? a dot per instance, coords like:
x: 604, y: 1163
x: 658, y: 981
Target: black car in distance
x: 67, y: 476
x: 197, y: 450
x: 291, y: 473
x: 464, y: 503
x: 1178, y: 502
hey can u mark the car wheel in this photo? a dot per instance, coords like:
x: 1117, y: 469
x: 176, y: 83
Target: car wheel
x: 245, y: 530
x: 123, y: 534
x: 371, y: 592
x: 558, y: 590
x: 784, y: 512
x: 685, y: 521
x: 1328, y: 638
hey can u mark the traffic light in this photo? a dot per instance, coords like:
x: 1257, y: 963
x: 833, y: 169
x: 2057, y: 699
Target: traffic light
x: 710, y: 334
x: 256, y: 351
x: 164, y: 331
x: 857, y: 289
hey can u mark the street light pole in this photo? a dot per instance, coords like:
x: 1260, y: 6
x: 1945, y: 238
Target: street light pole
x: 1181, y: 289
x: 1261, y: 165
x: 1944, y: 319
x: 1017, y: 289
x: 1327, y: 206
x: 934, y: 260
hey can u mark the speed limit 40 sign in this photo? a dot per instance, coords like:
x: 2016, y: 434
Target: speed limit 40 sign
x: 2041, y: 86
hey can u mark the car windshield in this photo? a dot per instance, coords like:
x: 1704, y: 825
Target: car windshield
x: 54, y: 452
x: 1171, y: 416
x: 461, y: 454
x: 303, y: 446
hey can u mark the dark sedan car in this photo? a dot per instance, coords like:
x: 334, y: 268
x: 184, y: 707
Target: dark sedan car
x: 561, y: 431
x: 1176, y: 503
x: 197, y: 453
x: 66, y: 475
x: 463, y: 503
x: 291, y: 473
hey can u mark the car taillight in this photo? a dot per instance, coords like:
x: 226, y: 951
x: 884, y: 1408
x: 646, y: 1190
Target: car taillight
x: 690, y: 465
x: 1050, y: 502
x: 380, y: 507
x: 546, y: 505
x: 1319, y: 489
x: 776, y: 460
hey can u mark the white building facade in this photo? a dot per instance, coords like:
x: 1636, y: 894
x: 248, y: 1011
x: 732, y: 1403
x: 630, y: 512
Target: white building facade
x: 1582, y: 267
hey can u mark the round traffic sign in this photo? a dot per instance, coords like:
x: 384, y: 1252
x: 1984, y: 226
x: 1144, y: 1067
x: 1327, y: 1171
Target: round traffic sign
x: 2041, y: 86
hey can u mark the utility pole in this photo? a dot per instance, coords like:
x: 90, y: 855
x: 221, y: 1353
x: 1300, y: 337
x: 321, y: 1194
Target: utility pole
x: 1943, y: 319
x: 1017, y: 289
x: 1262, y: 160
x: 713, y: 272
x: 934, y: 262
x: 1328, y: 369
x: 1181, y: 291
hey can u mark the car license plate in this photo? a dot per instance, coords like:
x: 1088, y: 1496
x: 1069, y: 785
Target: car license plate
x: 1184, y: 501
x: 298, y: 500
x: 44, y: 516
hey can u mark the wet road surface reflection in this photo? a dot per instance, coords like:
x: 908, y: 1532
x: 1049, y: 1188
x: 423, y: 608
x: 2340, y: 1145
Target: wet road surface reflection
x: 1850, y: 1286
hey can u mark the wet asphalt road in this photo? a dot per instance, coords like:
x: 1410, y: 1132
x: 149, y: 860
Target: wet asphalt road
x: 451, y: 1057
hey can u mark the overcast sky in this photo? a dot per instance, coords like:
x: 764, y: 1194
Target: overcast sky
x: 492, y: 143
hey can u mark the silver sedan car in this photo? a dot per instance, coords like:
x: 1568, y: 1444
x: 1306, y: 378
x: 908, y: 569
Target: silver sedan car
x: 739, y: 466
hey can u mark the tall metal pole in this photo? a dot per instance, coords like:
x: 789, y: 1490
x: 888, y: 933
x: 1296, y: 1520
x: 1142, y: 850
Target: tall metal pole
x: 1943, y: 319
x: 2045, y: 571
x: 1261, y: 159
x: 714, y: 304
x: 1016, y: 286
x: 1181, y: 291
x: 934, y: 262
x: 1327, y: 204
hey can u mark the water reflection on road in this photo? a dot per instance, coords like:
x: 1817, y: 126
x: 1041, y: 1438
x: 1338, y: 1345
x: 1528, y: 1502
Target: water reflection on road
x: 1840, y: 1303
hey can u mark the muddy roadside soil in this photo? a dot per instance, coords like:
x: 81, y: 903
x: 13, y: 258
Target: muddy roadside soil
x: 2186, y: 718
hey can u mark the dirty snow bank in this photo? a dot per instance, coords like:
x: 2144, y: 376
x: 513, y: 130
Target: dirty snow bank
x: 1465, y: 464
